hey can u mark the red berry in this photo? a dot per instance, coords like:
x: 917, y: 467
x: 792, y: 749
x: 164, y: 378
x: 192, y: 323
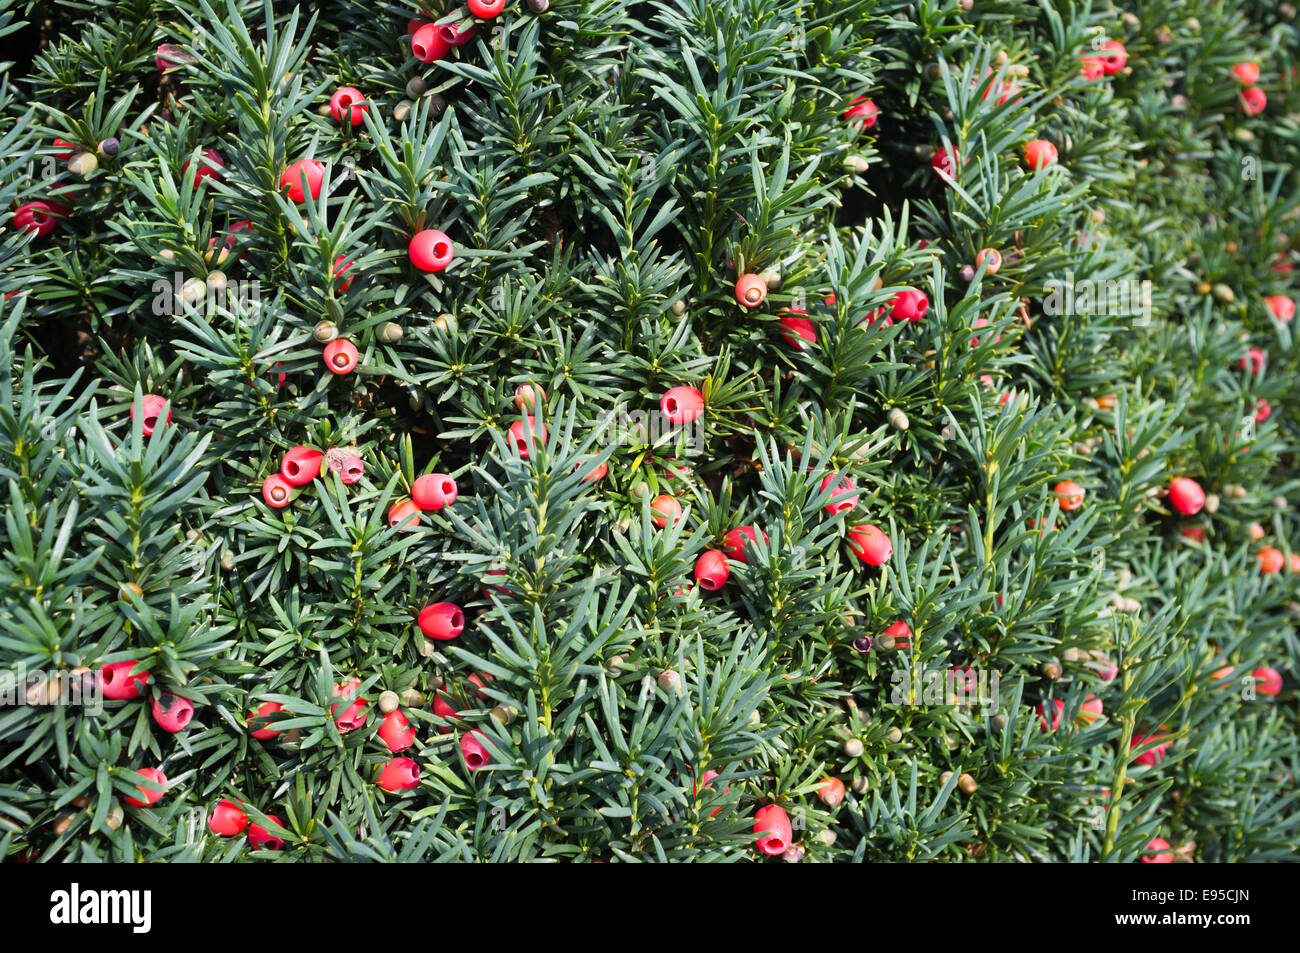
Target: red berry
x: 838, y: 503
x: 1039, y: 154
x: 172, y: 712
x: 153, y: 407
x: 734, y: 543
x: 148, y: 796
x: 1270, y: 559
x: 665, y: 509
x: 458, y: 34
x: 1263, y: 410
x: 260, y: 717
x: 1089, y: 712
x: 1253, y: 101
x: 870, y: 545
x: 1186, y: 496
x: 1115, y: 57
x: 443, y: 710
x: 1152, y: 756
x: 168, y: 55
x: 1091, y: 67
x: 277, y: 491
x: 1157, y: 852
x: 525, y: 437
x: 341, y: 268
x: 346, y: 463
x: 308, y: 170
x: 429, y: 43
x: 528, y: 397
x: 831, y: 792
x: 476, y: 755
x: 1247, y: 73
x: 900, y: 632
x: 210, y: 164
x: 1269, y: 679
x: 1069, y: 495
x: 1194, y: 533
x: 712, y: 570
x: 991, y: 258
x: 117, y: 681
x: 1006, y: 90
x: 399, y: 774
x: 39, y: 216
x: 863, y: 110
x: 486, y: 9
x: 772, y: 830
x: 341, y: 356
x: 348, y: 105
x: 431, y: 250
x: 396, y: 732
x: 799, y: 332
x: 433, y: 491
x: 227, y: 819
x: 944, y: 162
x: 65, y: 150
x: 301, y: 465
x: 681, y: 405
x: 442, y: 620
x: 405, y: 515
x: 261, y: 838
x: 1283, y: 308
x: 354, y: 716
x: 597, y: 473
x: 706, y: 783
x: 909, y: 305
x: 1255, y: 359
x: 751, y: 289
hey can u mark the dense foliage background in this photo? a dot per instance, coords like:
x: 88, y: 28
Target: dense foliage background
x: 607, y: 170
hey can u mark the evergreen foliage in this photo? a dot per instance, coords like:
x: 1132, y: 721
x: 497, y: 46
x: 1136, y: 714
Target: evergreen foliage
x: 607, y: 170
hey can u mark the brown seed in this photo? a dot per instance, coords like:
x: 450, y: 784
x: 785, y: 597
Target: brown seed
x: 967, y: 784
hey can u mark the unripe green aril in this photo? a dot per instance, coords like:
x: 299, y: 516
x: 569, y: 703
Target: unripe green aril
x: 83, y: 164
x: 194, y: 290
